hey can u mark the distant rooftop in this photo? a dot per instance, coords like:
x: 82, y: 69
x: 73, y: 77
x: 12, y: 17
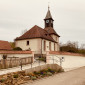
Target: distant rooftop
x: 5, y: 45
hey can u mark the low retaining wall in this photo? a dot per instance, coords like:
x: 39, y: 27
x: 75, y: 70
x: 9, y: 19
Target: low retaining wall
x: 9, y: 59
x: 38, y: 68
x: 14, y: 62
x: 18, y: 54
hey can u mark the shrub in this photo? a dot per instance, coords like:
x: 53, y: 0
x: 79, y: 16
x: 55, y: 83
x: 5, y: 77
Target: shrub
x: 22, y: 73
x: 15, y: 76
x: 17, y: 49
x: 60, y: 70
x: 49, y: 73
x: 33, y: 77
x: 51, y: 70
x: 42, y: 59
x: 35, y: 72
x: 31, y: 74
x: 43, y: 72
x: 2, y: 80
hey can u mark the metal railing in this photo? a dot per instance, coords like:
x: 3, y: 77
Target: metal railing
x: 38, y: 62
x: 58, y: 59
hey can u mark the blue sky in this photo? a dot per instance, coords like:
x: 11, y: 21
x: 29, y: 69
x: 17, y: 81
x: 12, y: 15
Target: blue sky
x: 18, y: 15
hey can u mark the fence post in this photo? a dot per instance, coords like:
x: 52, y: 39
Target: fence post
x: 31, y: 62
x: 4, y: 63
x: 21, y: 63
x: 4, y: 60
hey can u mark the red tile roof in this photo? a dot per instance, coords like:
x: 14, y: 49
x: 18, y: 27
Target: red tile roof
x: 50, y: 30
x: 4, y: 45
x: 36, y: 32
x: 15, y: 52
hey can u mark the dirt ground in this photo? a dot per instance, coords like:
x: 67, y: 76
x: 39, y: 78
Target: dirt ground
x: 74, y: 77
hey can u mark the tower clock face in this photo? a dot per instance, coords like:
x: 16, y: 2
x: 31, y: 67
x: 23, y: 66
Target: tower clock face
x: 47, y: 21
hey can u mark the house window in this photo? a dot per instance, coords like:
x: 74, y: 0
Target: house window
x: 50, y: 46
x: 44, y: 45
x: 27, y: 42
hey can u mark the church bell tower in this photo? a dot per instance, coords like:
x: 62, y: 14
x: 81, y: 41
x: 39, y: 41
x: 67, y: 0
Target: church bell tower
x: 48, y: 19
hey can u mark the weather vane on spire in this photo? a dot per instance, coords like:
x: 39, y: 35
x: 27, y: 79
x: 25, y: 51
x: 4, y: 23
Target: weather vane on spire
x: 48, y: 5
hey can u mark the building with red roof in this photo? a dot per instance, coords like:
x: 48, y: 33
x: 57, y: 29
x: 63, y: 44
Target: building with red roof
x: 38, y: 39
x: 5, y: 45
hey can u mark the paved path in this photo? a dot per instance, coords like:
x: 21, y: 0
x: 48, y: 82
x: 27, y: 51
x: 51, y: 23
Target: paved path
x: 70, y: 62
x: 24, y: 67
x: 74, y: 77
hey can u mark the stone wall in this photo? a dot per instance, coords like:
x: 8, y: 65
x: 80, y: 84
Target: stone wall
x: 38, y: 68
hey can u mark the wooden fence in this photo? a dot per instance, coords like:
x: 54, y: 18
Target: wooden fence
x: 14, y: 62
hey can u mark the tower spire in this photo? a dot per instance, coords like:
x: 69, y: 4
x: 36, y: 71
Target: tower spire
x: 48, y: 15
x: 48, y: 19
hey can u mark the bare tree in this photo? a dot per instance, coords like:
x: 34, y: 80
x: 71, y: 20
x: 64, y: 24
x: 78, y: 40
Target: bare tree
x: 23, y: 31
x: 82, y: 46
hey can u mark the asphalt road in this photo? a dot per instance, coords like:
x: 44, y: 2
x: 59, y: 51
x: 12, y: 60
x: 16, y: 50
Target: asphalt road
x: 74, y: 77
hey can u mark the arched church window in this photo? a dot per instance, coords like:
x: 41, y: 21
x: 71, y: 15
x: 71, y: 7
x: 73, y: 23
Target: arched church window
x: 27, y: 42
x: 44, y: 45
x: 50, y: 46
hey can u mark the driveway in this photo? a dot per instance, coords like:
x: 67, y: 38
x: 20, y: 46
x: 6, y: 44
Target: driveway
x: 73, y: 77
x: 70, y: 62
x: 24, y: 67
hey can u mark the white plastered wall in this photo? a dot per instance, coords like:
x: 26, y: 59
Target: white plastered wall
x: 56, y: 38
x: 47, y: 46
x: 34, y: 44
x: 17, y: 55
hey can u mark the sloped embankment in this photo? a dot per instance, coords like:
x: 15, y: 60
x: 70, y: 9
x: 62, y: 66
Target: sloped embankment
x: 28, y: 75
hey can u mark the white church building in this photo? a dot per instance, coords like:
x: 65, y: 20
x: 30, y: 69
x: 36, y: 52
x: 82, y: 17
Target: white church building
x: 40, y: 40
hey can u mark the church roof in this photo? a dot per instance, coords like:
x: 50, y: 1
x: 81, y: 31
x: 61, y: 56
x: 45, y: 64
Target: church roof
x: 4, y: 45
x: 50, y: 30
x: 48, y: 15
x: 36, y: 32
